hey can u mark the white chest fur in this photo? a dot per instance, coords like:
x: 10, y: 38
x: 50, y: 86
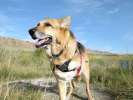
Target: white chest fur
x: 67, y: 76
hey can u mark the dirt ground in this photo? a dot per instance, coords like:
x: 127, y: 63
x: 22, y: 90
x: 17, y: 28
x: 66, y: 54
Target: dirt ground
x: 49, y: 87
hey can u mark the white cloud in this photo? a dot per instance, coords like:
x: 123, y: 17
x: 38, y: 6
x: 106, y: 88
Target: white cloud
x: 84, y: 2
x: 78, y: 6
x: 113, y: 11
x: 109, y: 1
x: 78, y: 1
x: 91, y: 5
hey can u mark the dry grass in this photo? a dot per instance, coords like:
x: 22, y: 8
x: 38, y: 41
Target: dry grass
x: 111, y: 73
x: 16, y: 64
x: 114, y: 74
x: 15, y: 43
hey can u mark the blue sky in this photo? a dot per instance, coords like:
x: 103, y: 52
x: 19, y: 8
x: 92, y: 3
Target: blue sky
x: 99, y: 24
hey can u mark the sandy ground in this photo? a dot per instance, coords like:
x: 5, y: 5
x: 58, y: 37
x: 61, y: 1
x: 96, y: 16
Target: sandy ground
x: 49, y: 87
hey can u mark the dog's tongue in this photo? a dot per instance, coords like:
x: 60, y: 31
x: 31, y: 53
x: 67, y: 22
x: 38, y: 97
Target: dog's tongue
x: 39, y: 43
x: 42, y: 42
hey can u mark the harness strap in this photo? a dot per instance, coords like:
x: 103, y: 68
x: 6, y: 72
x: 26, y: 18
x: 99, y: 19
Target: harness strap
x: 64, y: 66
x: 79, y: 68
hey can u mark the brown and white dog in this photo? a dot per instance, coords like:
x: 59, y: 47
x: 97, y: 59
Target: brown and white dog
x: 69, y: 57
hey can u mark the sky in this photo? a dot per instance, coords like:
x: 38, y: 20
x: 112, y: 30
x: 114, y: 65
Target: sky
x: 105, y: 25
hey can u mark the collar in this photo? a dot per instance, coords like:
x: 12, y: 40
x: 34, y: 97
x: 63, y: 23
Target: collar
x: 57, y: 55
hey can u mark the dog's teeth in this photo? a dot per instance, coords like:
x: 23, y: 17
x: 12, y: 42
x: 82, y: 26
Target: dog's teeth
x: 39, y: 42
x: 35, y: 41
x: 43, y: 41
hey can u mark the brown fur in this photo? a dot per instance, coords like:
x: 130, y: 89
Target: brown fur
x: 66, y: 41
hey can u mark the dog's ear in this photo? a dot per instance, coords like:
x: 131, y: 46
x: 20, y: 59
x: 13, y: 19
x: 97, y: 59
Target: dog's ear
x: 66, y: 21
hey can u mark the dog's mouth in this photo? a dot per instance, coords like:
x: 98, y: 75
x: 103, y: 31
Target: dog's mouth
x: 43, y: 42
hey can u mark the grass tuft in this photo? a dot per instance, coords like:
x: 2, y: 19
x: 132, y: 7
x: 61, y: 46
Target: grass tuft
x: 112, y: 73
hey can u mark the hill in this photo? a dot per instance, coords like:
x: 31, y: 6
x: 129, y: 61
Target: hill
x: 97, y: 52
x: 15, y: 43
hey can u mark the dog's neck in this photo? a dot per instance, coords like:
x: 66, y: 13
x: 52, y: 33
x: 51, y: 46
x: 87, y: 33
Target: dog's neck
x: 62, y: 52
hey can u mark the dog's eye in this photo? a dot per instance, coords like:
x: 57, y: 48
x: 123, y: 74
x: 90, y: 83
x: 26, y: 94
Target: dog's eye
x: 47, y: 24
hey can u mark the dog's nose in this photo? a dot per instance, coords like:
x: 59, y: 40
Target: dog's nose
x: 32, y: 33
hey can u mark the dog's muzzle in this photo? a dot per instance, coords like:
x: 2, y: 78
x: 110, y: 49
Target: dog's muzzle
x: 40, y: 42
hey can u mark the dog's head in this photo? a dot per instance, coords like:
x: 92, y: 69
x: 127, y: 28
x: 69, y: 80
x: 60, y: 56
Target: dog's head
x: 49, y: 30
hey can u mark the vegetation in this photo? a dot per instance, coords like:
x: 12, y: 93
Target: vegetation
x: 112, y: 73
x: 21, y: 64
x: 19, y: 94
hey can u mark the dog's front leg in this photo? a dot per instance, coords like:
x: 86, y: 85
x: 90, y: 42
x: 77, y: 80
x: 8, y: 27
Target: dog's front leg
x: 71, y: 87
x: 86, y: 74
x: 62, y: 89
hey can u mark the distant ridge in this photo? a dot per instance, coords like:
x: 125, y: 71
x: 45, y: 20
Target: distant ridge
x: 96, y: 52
x: 15, y: 43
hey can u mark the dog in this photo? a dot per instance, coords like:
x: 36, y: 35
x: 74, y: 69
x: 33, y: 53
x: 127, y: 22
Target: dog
x: 69, y: 57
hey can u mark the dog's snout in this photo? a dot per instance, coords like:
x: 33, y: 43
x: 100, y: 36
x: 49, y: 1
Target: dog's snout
x: 32, y: 33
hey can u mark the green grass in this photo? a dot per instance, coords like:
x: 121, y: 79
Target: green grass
x: 22, y: 64
x: 112, y: 76
x: 16, y: 64
x: 113, y: 73
x: 19, y: 94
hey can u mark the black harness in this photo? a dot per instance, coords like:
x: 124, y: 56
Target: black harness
x: 64, y: 66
